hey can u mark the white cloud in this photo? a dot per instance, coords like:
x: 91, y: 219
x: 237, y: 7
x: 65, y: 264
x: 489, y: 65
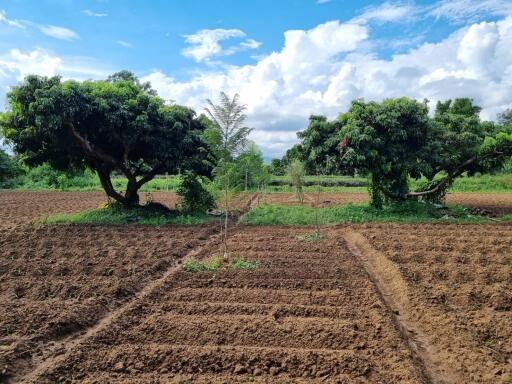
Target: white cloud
x: 15, y: 65
x: 250, y: 44
x: 388, y: 12
x: 125, y: 44
x: 10, y: 22
x: 205, y: 43
x: 60, y: 33
x: 90, y: 13
x: 323, y: 1
x: 470, y: 10
x: 319, y: 71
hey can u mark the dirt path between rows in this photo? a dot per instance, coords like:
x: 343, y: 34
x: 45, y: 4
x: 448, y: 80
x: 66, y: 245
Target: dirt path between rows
x: 394, y: 292
x: 66, y: 347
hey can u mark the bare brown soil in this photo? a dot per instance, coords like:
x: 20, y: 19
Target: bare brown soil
x: 294, y: 319
x: 22, y: 207
x: 494, y: 204
x: 322, y: 199
x: 459, y: 288
x: 56, y: 281
x: 378, y: 303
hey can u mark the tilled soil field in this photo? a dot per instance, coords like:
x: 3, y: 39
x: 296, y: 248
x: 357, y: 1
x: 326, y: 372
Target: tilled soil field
x: 488, y: 203
x: 458, y: 280
x: 57, y: 281
x: 22, y: 207
x: 378, y: 303
x: 309, y: 313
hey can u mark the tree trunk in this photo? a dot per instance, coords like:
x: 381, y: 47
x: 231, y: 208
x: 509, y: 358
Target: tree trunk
x: 106, y: 183
x: 132, y: 192
x: 131, y: 196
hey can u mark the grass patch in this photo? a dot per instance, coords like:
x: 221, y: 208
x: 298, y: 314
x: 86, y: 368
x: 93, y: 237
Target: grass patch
x: 210, y: 264
x: 410, y: 212
x: 151, y: 214
x: 507, y: 217
x: 214, y: 263
x: 477, y: 183
x: 312, y: 237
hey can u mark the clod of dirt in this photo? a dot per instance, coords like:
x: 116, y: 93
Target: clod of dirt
x: 273, y: 371
x: 119, y: 367
x: 240, y: 369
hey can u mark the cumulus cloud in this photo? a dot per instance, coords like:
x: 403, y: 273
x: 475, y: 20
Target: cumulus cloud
x: 15, y: 65
x: 322, y: 69
x: 205, y: 43
x: 60, y: 33
x: 10, y: 22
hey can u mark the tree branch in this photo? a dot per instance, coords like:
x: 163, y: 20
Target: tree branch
x: 149, y: 176
x: 93, y: 152
x: 457, y: 172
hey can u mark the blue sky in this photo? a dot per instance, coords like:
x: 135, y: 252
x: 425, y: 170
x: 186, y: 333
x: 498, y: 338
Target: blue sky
x: 287, y: 59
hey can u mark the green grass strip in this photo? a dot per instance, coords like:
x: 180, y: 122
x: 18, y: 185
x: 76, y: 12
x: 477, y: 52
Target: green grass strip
x: 410, y: 212
x: 116, y: 215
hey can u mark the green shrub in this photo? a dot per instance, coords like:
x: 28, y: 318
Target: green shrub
x: 194, y: 196
x: 46, y: 177
x: 9, y: 170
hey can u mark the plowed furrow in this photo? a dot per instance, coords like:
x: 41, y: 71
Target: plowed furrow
x: 243, y: 330
x: 305, y: 284
x: 207, y: 378
x: 339, y: 297
x: 273, y: 310
x: 178, y: 359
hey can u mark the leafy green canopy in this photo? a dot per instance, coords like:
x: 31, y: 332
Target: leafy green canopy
x: 249, y: 168
x: 396, y: 139
x: 114, y: 125
x: 319, y: 149
x: 9, y: 169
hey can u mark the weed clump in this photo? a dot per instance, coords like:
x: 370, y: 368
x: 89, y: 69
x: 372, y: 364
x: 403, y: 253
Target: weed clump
x: 214, y: 263
x: 312, y: 237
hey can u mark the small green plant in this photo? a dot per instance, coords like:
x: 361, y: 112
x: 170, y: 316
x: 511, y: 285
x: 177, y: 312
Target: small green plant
x: 241, y: 263
x: 296, y: 173
x: 210, y: 264
x: 214, y: 263
x: 310, y: 237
